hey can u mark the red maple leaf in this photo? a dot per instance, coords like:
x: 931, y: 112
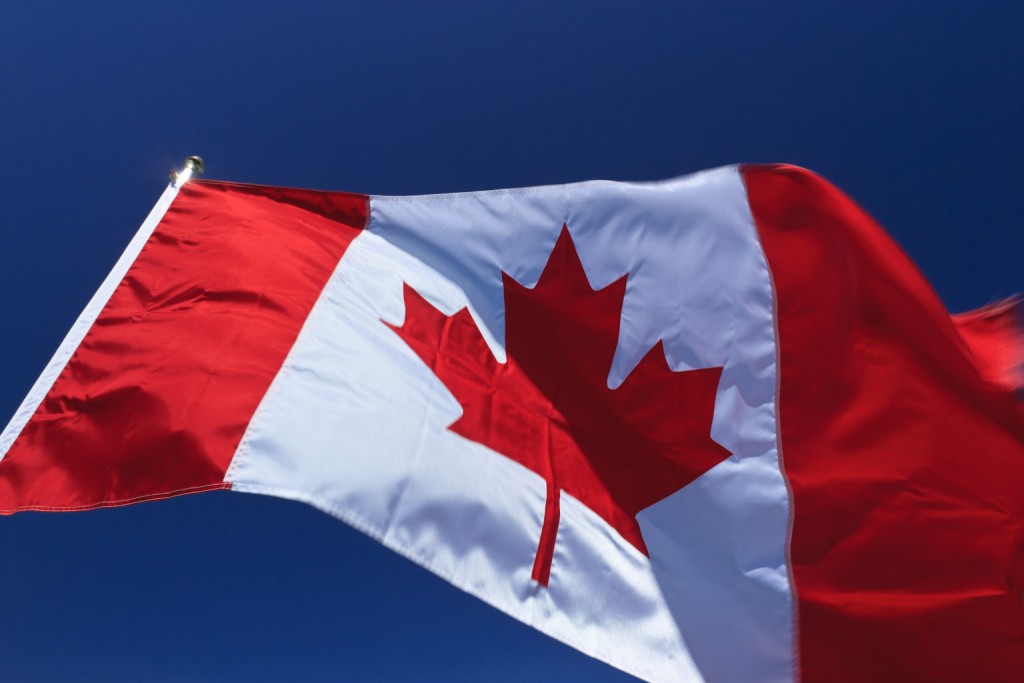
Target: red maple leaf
x: 549, y: 406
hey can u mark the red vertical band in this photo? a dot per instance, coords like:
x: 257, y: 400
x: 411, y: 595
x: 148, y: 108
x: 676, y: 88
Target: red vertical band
x: 157, y: 396
x: 906, y: 463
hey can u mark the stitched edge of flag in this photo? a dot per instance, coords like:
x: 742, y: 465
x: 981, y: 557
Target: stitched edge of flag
x: 219, y: 486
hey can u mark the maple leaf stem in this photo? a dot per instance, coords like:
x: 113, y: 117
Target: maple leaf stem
x: 549, y: 529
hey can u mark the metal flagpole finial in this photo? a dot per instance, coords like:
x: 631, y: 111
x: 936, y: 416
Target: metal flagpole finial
x: 195, y: 162
x: 193, y: 167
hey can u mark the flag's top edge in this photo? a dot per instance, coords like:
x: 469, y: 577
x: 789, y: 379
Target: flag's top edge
x: 690, y: 177
x: 258, y: 188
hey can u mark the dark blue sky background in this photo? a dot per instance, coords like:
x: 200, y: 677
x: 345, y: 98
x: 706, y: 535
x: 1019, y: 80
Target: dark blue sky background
x: 914, y: 108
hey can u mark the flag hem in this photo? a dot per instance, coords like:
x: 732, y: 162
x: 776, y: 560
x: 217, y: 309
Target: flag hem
x: 122, y: 502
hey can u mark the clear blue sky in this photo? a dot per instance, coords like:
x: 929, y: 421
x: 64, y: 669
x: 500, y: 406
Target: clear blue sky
x: 914, y: 108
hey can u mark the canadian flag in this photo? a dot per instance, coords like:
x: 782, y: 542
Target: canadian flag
x: 716, y: 428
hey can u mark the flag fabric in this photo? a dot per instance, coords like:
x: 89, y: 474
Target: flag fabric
x: 717, y: 428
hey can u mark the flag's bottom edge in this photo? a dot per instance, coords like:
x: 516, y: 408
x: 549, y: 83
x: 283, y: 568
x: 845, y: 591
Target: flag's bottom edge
x: 121, y: 502
x: 361, y: 525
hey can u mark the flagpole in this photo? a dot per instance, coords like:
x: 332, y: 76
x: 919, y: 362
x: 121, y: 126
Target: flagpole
x: 193, y: 166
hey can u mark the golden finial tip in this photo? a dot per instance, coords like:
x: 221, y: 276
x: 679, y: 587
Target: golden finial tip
x: 195, y: 162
